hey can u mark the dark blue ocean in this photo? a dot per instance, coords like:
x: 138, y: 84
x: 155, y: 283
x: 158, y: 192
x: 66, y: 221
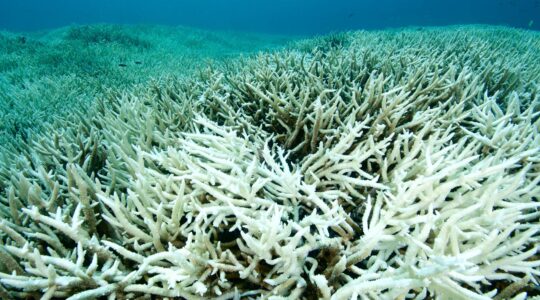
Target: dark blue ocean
x: 276, y: 16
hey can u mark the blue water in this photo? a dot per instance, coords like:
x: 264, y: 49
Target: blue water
x: 271, y: 16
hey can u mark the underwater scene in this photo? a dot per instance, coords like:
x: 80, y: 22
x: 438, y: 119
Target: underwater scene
x: 270, y: 149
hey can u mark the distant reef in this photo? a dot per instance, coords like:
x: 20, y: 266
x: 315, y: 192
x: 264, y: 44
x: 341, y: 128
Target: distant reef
x: 159, y: 163
x: 44, y: 75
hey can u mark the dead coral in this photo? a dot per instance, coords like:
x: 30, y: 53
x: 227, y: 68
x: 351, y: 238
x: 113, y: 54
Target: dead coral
x: 385, y: 169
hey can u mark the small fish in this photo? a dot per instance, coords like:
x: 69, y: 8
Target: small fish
x: 350, y: 15
x: 122, y: 65
x: 138, y: 62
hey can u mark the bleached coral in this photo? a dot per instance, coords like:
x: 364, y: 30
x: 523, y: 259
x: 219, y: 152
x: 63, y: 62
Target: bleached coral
x: 382, y: 168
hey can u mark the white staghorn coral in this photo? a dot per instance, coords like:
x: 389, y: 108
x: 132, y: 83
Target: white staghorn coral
x: 385, y: 168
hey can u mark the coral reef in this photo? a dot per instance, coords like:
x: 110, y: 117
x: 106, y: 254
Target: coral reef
x: 45, y: 75
x: 398, y: 165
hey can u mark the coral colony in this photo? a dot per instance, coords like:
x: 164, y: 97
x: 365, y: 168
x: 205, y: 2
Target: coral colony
x: 369, y: 165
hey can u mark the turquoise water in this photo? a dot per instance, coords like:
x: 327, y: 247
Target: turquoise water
x: 278, y: 16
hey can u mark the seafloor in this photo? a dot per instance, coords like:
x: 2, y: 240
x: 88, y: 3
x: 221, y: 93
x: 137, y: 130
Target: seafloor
x: 172, y: 163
